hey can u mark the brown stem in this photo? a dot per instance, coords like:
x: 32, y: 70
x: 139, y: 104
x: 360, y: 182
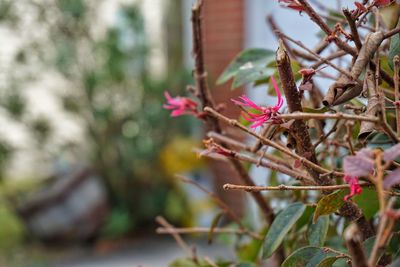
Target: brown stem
x: 353, y: 28
x: 323, y: 116
x: 283, y: 187
x: 353, y: 240
x: 391, y: 33
x: 324, y: 27
x: 299, y: 129
x: 200, y: 74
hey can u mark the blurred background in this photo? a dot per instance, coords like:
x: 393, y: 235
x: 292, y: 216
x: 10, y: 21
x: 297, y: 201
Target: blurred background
x: 87, y: 153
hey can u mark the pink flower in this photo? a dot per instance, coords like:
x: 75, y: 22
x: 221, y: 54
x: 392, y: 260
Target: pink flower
x: 293, y: 4
x: 355, y: 188
x: 180, y: 105
x: 264, y: 113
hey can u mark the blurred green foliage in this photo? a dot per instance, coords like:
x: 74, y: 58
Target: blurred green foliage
x: 110, y: 91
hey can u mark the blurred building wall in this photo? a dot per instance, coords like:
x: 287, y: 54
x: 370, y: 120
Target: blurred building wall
x: 223, y: 33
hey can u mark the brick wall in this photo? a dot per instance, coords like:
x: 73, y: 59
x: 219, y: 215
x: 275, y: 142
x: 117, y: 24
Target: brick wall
x: 223, y: 25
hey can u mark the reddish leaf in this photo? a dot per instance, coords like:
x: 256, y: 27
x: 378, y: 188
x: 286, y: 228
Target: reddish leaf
x: 358, y: 166
x: 392, y: 179
x: 392, y: 153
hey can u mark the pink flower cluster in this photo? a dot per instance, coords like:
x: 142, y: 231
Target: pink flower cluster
x: 180, y: 105
x: 261, y: 114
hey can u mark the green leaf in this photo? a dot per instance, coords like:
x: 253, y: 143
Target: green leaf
x: 249, y: 73
x: 329, y: 204
x: 368, y: 202
x: 394, y: 48
x: 281, y: 226
x: 305, y: 218
x: 214, y: 224
x: 308, y: 257
x: 255, y: 56
x: 317, y: 231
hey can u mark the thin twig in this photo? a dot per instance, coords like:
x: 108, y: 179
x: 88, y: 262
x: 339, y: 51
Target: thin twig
x: 385, y: 228
x: 317, y: 56
x: 270, y: 165
x: 184, y: 246
x: 283, y: 187
x: 323, y: 116
x: 353, y: 28
x: 331, y: 56
x: 219, y: 202
x: 325, y: 136
x: 270, y: 143
x: 201, y: 230
x: 239, y: 145
x: 324, y: 27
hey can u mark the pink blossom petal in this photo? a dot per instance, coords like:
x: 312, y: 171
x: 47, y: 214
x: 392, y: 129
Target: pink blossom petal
x: 355, y: 188
x: 180, y: 105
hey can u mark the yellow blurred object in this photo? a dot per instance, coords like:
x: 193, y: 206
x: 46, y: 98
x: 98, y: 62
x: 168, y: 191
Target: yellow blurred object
x: 178, y: 156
